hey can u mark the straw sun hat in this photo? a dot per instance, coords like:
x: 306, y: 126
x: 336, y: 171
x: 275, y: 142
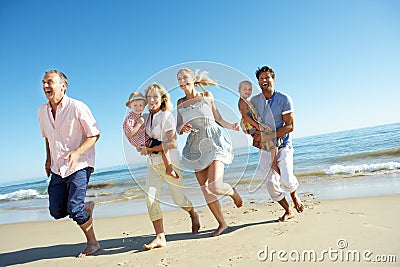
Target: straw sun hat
x: 135, y: 96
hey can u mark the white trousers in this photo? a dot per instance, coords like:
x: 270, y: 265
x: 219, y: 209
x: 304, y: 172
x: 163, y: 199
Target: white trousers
x: 154, y: 181
x: 278, y: 184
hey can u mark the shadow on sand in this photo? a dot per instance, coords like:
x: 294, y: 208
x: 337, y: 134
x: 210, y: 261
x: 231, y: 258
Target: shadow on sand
x: 133, y: 244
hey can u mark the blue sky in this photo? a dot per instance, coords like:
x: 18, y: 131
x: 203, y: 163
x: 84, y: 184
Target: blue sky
x: 337, y: 59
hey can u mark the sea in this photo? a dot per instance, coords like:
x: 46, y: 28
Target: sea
x: 354, y: 163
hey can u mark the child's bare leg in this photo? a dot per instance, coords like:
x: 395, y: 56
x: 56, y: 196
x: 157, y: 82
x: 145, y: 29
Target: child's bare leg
x: 168, y: 167
x: 274, y: 164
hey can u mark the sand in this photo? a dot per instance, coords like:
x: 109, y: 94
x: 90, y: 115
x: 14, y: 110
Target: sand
x: 337, y: 231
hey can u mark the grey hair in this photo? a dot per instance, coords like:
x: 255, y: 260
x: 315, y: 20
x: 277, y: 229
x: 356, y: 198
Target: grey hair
x: 63, y: 77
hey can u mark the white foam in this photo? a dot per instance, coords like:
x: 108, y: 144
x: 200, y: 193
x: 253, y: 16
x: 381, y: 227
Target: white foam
x: 21, y: 194
x: 364, y: 168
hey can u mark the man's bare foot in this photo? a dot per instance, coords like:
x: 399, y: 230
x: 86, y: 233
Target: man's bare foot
x: 89, y: 250
x: 169, y: 171
x: 158, y: 242
x: 195, y: 223
x: 92, y: 246
x: 219, y: 230
x: 287, y: 216
x: 298, y: 205
x: 236, y: 198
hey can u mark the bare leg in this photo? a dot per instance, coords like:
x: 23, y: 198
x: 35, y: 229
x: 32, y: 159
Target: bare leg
x: 195, y: 220
x: 92, y: 245
x: 217, y: 185
x: 274, y: 164
x: 160, y: 240
x: 212, y: 202
x: 298, y: 205
x: 216, y: 210
x: 168, y: 167
x: 288, y: 213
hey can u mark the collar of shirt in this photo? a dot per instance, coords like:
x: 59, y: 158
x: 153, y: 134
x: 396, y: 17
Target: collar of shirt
x: 64, y: 102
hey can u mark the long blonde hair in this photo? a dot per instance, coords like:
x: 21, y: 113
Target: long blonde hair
x: 165, y: 98
x: 201, y: 79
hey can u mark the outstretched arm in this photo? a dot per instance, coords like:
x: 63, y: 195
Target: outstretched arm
x: 217, y: 116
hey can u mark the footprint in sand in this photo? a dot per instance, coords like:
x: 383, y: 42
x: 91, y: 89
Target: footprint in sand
x: 125, y: 263
x: 165, y: 261
x: 250, y: 210
x: 235, y: 258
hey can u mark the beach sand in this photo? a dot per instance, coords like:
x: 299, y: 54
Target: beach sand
x: 368, y: 226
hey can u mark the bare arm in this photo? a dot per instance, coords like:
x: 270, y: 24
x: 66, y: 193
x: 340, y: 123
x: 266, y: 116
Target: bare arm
x: 288, y: 127
x: 180, y: 126
x: 136, y: 128
x: 179, y: 122
x: 47, y: 165
x: 74, y: 156
x: 285, y: 129
x: 217, y: 116
x: 243, y: 110
x: 165, y: 146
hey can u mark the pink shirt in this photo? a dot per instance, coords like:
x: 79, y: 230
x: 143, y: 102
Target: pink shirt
x: 140, y: 137
x: 73, y: 124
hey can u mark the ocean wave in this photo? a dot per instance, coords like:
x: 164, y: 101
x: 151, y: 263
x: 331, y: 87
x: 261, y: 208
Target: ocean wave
x: 364, y: 168
x: 312, y: 173
x: 101, y: 185
x: 22, y: 194
x: 111, y: 171
x: 126, y: 198
x: 376, y: 154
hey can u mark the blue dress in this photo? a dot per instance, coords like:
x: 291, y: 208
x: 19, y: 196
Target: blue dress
x: 206, y: 142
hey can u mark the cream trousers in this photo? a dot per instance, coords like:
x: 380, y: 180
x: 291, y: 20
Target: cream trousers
x: 278, y: 184
x: 154, y: 181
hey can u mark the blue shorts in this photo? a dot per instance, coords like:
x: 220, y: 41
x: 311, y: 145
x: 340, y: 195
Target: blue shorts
x: 67, y: 195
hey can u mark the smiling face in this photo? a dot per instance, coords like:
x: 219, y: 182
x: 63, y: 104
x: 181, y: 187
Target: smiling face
x: 53, y: 88
x: 185, y: 80
x: 245, y: 90
x: 266, y: 82
x: 137, y: 106
x: 154, y: 100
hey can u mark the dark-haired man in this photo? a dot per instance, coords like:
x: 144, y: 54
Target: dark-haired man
x: 276, y: 110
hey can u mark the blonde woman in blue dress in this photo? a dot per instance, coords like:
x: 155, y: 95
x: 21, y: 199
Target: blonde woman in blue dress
x: 206, y: 150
